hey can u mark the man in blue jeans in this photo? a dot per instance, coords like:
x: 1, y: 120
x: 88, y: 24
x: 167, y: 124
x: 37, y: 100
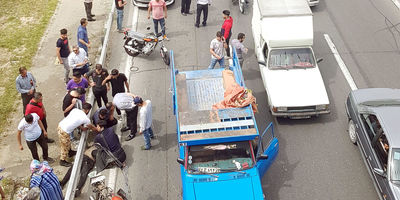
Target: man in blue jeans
x: 217, y: 51
x: 146, y: 121
x: 119, y: 5
x: 83, y: 39
x: 158, y: 8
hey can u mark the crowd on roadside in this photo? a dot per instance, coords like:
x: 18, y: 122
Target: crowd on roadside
x: 75, y: 109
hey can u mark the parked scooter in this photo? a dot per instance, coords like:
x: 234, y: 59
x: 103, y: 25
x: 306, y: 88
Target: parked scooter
x: 138, y: 43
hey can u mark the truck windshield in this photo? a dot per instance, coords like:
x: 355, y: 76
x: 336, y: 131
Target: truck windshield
x: 219, y: 158
x: 291, y: 59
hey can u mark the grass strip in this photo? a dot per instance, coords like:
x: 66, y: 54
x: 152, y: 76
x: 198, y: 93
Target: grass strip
x: 22, y: 25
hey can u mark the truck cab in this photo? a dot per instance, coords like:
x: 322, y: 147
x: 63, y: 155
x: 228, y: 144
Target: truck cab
x: 283, y: 38
x: 221, y: 153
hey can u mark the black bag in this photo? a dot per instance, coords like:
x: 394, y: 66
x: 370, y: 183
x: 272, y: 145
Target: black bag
x: 105, y: 158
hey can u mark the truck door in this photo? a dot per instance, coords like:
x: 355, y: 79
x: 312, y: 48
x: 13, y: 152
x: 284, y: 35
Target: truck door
x: 268, y: 147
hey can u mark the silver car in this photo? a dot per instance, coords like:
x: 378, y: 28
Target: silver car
x: 374, y: 125
x: 145, y: 3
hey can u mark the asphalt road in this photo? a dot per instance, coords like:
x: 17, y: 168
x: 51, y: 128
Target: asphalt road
x: 316, y: 158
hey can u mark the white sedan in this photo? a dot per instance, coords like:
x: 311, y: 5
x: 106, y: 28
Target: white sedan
x: 294, y: 84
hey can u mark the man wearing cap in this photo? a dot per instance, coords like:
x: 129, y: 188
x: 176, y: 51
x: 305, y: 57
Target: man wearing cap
x: 127, y: 102
x: 146, y: 121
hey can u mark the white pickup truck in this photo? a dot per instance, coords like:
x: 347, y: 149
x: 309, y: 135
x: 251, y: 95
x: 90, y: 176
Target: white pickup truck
x: 283, y: 37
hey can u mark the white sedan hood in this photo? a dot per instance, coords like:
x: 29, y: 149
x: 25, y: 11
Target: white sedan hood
x: 294, y: 87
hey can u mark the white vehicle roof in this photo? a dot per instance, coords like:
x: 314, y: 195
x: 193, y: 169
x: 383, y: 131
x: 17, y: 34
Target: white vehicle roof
x: 286, y: 23
x: 271, y: 8
x: 287, y: 31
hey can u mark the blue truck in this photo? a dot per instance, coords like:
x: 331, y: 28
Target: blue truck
x: 221, y: 153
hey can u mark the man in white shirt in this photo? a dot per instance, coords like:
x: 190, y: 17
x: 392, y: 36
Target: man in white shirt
x: 126, y: 101
x: 34, y: 132
x: 78, y: 60
x: 146, y: 120
x: 76, y: 118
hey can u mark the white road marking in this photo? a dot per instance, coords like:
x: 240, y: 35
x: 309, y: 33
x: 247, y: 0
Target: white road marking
x: 396, y: 3
x: 340, y: 62
x: 135, y: 16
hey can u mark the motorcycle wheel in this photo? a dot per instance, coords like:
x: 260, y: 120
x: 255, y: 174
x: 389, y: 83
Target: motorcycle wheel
x: 129, y: 52
x: 165, y: 56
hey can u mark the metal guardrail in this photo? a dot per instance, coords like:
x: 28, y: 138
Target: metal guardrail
x: 70, y: 194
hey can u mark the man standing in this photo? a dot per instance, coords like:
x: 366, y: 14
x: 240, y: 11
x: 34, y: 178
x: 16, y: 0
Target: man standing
x: 78, y: 81
x: 119, y: 5
x: 78, y: 60
x: 185, y: 7
x: 25, y: 84
x: 99, y: 90
x: 217, y: 51
x: 118, y: 84
x: 146, y: 121
x: 83, y: 40
x: 34, y: 132
x: 202, y: 6
x: 127, y: 102
x: 240, y: 49
x: 226, y: 29
x: 158, y: 8
x: 36, y: 106
x: 88, y: 9
x: 76, y: 118
x: 63, y: 51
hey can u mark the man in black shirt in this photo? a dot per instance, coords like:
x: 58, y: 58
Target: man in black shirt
x: 107, y: 138
x: 99, y: 90
x: 63, y: 51
x: 105, y: 113
x: 71, y: 100
x: 119, y: 5
x: 118, y: 84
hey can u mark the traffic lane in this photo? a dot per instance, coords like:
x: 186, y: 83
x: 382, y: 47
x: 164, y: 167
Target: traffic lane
x: 371, y: 37
x: 315, y: 154
x: 155, y: 174
x: 316, y: 159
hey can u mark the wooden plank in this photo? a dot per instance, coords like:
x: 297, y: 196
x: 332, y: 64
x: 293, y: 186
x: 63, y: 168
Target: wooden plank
x: 183, y: 100
x: 199, y: 136
x: 227, y: 124
x: 198, y: 117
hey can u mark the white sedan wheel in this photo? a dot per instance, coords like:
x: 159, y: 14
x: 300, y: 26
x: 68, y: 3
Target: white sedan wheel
x: 352, y: 132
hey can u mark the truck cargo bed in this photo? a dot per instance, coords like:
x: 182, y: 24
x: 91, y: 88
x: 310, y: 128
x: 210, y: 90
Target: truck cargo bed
x: 196, y: 93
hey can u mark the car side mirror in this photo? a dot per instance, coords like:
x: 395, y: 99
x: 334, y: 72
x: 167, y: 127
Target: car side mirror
x: 319, y: 60
x: 380, y: 172
x: 262, y: 157
x: 180, y: 161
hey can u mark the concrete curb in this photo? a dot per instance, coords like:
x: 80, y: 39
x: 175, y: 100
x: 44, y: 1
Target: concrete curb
x: 70, y: 193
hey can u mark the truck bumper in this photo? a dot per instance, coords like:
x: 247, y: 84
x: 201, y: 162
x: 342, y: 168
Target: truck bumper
x: 300, y: 115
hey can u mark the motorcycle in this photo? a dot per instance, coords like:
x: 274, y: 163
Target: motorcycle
x: 138, y: 43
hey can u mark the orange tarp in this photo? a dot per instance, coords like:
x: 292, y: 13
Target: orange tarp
x: 235, y: 96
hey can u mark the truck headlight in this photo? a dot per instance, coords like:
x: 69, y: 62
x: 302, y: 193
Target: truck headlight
x: 321, y: 107
x: 279, y: 109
